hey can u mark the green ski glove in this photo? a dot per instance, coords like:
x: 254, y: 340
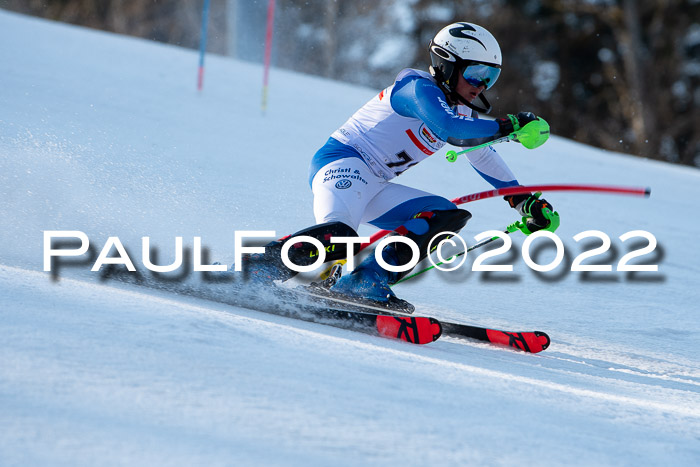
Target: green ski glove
x: 537, y: 213
x: 526, y: 128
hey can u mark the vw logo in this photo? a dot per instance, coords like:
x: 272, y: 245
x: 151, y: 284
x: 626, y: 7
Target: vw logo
x: 343, y: 184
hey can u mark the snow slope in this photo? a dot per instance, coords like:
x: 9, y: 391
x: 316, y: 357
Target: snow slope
x: 107, y: 135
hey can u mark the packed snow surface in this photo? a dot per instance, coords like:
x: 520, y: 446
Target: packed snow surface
x: 107, y: 135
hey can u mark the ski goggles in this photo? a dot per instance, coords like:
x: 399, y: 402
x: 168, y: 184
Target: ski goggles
x: 481, y: 75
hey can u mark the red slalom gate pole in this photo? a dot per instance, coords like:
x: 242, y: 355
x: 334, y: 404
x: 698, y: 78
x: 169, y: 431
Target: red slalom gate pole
x: 518, y: 190
x: 268, y: 51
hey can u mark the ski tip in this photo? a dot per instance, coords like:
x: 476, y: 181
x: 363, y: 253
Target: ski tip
x: 436, y: 328
x: 647, y: 192
x: 543, y: 340
x: 413, y: 329
x: 532, y: 342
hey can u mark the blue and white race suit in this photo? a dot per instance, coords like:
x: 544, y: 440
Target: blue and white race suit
x: 404, y: 124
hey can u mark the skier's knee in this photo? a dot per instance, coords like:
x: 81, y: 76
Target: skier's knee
x: 426, y: 225
x: 427, y: 230
x: 453, y: 219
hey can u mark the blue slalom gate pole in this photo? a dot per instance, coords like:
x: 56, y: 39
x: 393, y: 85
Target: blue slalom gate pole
x: 203, y: 44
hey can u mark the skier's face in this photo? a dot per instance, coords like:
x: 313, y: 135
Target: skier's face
x: 467, y: 91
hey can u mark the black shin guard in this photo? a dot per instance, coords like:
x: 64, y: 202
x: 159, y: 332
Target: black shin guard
x: 302, y: 253
x: 452, y: 220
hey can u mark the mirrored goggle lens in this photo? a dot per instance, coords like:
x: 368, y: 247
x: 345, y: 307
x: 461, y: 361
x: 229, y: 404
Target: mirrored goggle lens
x: 478, y: 75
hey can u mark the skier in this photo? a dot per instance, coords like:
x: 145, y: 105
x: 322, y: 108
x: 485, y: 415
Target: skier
x: 417, y: 115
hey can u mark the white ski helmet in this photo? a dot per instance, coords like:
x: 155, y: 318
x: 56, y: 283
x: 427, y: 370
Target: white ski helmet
x: 461, y: 45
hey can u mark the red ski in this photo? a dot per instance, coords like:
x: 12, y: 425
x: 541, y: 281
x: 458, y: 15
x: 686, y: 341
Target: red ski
x: 413, y: 329
x: 533, y: 342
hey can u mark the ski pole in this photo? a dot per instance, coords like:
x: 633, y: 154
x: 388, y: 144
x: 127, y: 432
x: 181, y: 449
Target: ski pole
x: 325, y: 274
x: 433, y: 266
x: 531, y: 136
x: 554, y: 222
x: 451, y: 156
x: 517, y: 225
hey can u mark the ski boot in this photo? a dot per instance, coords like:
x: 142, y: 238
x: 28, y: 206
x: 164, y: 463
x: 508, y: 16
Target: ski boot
x: 370, y: 283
